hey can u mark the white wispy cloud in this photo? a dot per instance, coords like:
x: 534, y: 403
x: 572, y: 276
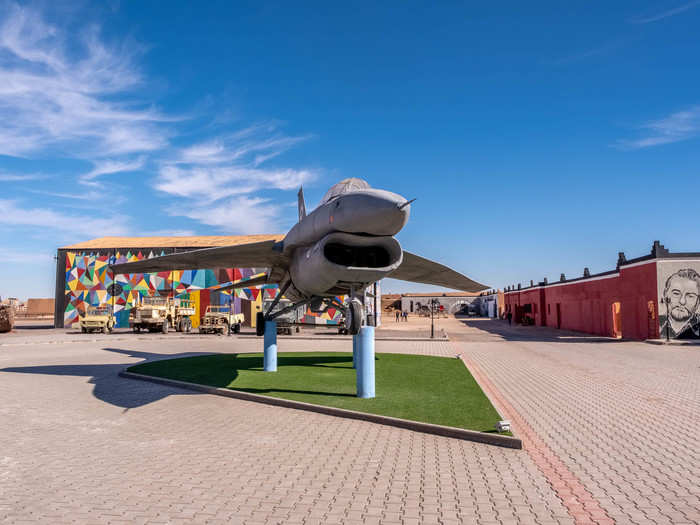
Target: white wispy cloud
x: 678, y: 126
x: 167, y: 233
x: 111, y: 166
x: 53, y: 94
x: 26, y: 257
x: 20, y: 177
x: 645, y: 19
x: 218, y: 182
x: 244, y: 215
x: 14, y: 215
x: 210, y: 172
x: 70, y: 95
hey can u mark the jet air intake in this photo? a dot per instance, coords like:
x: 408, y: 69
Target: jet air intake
x: 339, y: 260
x: 375, y: 256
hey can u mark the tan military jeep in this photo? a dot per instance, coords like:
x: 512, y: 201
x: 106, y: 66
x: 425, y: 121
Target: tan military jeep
x: 220, y: 319
x: 97, y: 319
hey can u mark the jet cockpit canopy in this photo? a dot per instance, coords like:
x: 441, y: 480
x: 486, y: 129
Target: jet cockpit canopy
x: 345, y: 186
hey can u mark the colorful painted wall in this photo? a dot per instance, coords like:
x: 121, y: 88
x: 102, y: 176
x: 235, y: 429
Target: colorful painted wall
x: 88, y: 282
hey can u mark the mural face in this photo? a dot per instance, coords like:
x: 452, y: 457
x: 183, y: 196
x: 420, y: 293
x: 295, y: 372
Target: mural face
x: 680, y: 300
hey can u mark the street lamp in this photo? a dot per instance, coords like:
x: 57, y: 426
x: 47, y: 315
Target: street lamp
x: 433, y: 304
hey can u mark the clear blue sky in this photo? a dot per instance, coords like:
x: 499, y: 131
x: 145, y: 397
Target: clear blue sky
x: 538, y: 138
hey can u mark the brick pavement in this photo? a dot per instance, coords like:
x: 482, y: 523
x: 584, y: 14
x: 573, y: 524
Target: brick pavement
x: 621, y: 417
x: 79, y: 444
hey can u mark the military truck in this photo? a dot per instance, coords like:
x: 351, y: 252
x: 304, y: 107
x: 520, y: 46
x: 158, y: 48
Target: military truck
x: 7, y: 317
x: 220, y: 319
x: 160, y: 314
x: 287, y: 323
x: 97, y: 319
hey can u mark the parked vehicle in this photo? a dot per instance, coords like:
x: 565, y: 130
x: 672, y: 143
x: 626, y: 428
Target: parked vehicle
x: 287, y: 323
x: 7, y: 317
x: 97, y: 319
x: 220, y: 319
x: 159, y: 314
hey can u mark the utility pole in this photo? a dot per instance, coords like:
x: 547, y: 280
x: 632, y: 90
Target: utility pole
x: 375, y: 305
x: 432, y: 317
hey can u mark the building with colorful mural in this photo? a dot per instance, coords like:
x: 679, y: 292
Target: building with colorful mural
x: 83, y: 278
x: 655, y: 295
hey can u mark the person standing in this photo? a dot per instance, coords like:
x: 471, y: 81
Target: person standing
x: 398, y: 314
x: 509, y: 316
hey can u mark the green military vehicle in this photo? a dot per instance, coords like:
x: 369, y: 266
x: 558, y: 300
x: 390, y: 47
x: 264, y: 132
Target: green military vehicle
x: 97, y: 319
x: 160, y: 314
x: 220, y: 319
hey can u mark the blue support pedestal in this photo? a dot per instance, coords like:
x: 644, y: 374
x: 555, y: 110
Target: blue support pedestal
x: 365, y: 362
x: 270, y: 340
x: 354, y: 351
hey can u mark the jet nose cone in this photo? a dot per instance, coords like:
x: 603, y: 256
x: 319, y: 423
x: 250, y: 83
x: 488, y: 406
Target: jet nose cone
x: 385, y: 213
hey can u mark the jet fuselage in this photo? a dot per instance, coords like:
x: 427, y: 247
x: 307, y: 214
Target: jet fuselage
x: 346, y: 243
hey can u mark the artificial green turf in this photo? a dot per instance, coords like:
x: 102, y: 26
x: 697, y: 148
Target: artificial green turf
x: 435, y: 390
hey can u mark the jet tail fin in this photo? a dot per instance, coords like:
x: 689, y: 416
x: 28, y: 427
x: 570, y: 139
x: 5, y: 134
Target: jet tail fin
x: 301, y: 203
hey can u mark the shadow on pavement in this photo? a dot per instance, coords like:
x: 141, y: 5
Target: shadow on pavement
x: 125, y: 393
x: 514, y: 332
x: 109, y: 387
x: 34, y: 326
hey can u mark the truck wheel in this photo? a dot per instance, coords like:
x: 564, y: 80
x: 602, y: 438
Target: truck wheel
x: 165, y: 327
x: 260, y: 324
x: 137, y: 328
x: 188, y: 328
x: 83, y: 329
x: 226, y: 329
x: 105, y: 329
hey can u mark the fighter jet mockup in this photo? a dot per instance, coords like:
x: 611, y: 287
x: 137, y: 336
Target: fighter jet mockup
x: 340, y: 248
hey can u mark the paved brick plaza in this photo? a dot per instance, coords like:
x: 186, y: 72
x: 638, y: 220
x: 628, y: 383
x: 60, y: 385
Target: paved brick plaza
x: 609, y: 430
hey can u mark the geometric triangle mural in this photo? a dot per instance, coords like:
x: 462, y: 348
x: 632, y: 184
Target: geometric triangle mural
x: 88, y: 282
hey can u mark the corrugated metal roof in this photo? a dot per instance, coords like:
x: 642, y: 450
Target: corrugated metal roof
x: 200, y: 241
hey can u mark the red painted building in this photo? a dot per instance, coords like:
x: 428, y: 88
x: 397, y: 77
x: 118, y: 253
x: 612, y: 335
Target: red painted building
x: 624, y: 302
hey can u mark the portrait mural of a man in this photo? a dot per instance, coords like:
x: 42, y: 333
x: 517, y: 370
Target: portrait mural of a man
x: 681, y: 297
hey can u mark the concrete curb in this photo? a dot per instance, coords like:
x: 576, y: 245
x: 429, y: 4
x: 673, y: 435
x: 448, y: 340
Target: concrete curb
x: 428, y: 428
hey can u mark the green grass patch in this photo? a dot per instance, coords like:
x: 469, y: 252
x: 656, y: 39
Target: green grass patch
x: 430, y: 389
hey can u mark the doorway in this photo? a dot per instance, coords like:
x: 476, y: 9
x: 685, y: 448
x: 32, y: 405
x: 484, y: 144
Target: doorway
x: 558, y: 315
x: 652, y: 323
x: 617, y: 320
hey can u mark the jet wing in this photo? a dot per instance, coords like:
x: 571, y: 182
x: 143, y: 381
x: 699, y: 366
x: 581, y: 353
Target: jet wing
x: 420, y: 270
x: 254, y: 254
x: 245, y: 283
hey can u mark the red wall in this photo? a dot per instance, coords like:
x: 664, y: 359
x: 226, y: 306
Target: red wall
x: 586, y: 306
